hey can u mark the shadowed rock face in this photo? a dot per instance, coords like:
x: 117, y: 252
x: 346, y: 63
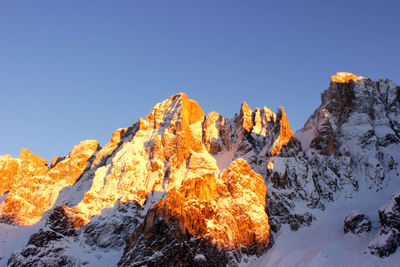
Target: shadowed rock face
x: 387, y: 240
x: 45, y: 247
x: 59, y: 221
x: 389, y: 215
x: 172, y: 249
x: 385, y: 243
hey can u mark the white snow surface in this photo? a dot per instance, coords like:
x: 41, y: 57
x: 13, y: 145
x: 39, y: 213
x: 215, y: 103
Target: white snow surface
x: 200, y: 257
x: 13, y: 238
x: 305, y: 137
x: 324, y: 242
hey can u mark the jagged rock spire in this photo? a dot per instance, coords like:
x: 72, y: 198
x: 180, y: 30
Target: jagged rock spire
x: 285, y: 134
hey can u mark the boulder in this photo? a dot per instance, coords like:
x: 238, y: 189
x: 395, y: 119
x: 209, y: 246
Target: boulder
x: 386, y: 242
x: 356, y: 223
x: 389, y: 215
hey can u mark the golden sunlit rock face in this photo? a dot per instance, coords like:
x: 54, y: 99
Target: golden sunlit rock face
x: 345, y: 77
x: 285, y: 133
x: 165, y: 150
x: 228, y: 211
x: 32, y: 187
x: 245, y: 119
x: 213, y: 127
x: 166, y: 153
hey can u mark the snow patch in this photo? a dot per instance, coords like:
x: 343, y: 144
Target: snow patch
x: 12, y: 238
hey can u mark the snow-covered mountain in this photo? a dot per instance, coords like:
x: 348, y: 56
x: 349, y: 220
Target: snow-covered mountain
x: 181, y: 188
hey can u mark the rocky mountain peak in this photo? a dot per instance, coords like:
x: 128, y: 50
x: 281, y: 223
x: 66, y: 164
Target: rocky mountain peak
x: 161, y: 151
x: 178, y: 108
x: 345, y: 77
x: 27, y: 157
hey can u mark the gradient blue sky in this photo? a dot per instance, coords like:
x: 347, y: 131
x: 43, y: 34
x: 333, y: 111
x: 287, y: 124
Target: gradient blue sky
x: 76, y: 70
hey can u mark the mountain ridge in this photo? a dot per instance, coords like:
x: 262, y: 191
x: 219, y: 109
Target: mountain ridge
x: 189, y: 177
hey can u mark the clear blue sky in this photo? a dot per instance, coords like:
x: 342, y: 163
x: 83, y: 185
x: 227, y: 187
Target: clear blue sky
x: 76, y: 70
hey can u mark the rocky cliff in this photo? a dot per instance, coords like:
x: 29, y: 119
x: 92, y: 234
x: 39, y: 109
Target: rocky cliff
x: 183, y: 188
x: 30, y: 187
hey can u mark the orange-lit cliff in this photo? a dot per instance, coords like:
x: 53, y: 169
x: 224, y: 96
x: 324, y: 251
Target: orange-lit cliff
x: 32, y: 188
x: 345, y: 77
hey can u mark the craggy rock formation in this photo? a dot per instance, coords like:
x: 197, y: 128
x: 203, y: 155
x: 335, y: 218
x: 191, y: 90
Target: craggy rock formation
x: 32, y: 188
x: 386, y: 242
x: 18, y: 179
x: 160, y: 153
x: 164, y: 245
x: 357, y: 120
x: 356, y: 223
x: 44, y: 247
x: 226, y: 213
x: 389, y: 215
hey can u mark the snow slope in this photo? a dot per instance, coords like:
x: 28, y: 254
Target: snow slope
x: 14, y: 237
x: 324, y: 242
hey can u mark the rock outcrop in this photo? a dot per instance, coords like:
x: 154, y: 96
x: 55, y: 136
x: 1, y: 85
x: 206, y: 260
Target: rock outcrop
x: 385, y: 243
x: 45, y: 247
x: 389, y: 215
x: 356, y: 223
x: 387, y: 240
